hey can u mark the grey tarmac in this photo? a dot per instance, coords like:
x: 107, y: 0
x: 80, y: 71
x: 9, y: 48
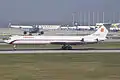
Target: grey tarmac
x: 25, y: 51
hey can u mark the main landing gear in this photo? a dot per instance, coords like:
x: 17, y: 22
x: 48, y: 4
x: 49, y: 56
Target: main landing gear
x: 66, y: 47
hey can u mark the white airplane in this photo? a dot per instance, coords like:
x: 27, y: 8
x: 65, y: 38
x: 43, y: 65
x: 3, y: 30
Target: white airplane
x: 66, y: 41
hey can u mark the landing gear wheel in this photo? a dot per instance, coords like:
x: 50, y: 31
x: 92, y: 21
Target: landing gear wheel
x: 63, y: 47
x: 69, y: 47
x: 66, y: 47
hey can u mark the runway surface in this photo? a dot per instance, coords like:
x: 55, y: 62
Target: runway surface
x: 30, y: 51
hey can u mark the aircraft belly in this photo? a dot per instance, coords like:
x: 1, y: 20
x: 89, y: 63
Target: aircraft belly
x: 66, y: 42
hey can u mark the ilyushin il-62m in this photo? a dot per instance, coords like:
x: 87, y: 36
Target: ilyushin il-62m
x: 65, y: 41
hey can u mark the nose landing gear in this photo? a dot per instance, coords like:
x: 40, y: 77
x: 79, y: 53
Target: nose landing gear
x: 14, y: 47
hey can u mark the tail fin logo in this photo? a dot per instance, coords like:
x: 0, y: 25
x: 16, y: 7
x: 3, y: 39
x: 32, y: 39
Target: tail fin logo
x: 102, y: 30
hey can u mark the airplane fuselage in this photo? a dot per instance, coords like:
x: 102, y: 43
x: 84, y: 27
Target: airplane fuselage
x: 66, y: 41
x: 48, y: 40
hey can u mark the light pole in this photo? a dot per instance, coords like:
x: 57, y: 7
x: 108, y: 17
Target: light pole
x: 88, y: 18
x: 73, y: 19
x: 97, y: 16
x: 103, y: 17
x: 93, y: 18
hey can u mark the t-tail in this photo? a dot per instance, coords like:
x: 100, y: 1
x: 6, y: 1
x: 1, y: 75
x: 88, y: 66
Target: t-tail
x: 99, y: 35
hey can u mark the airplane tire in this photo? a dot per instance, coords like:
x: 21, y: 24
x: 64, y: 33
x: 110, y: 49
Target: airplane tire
x: 68, y: 47
x: 63, y: 47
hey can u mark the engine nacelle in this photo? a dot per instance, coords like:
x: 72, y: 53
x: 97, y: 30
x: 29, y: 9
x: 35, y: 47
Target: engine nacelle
x: 89, y: 40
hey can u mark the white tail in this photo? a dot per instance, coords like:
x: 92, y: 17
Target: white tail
x: 101, y: 33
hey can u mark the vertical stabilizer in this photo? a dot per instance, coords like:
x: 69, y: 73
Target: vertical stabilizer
x: 101, y: 33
